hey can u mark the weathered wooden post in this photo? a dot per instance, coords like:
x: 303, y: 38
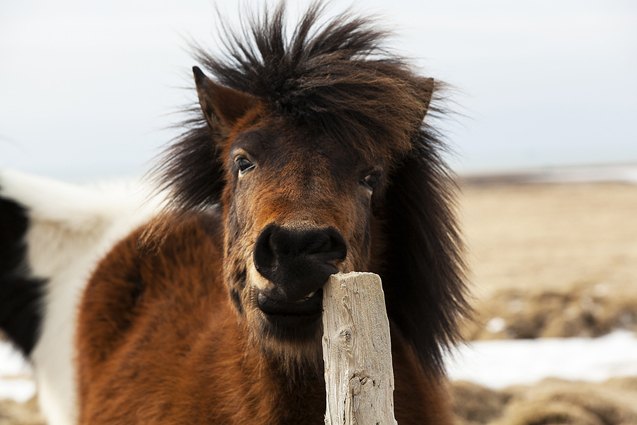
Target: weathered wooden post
x: 357, y: 352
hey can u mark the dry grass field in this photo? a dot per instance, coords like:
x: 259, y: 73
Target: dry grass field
x: 546, y: 260
x: 550, y: 236
x: 549, y: 402
x: 550, y: 260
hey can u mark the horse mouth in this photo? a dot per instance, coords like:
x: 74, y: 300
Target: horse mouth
x: 310, y: 306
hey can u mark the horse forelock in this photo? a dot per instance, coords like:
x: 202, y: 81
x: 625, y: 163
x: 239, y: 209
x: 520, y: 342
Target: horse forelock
x: 333, y: 76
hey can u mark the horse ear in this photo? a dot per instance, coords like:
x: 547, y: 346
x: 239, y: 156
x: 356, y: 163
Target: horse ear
x: 425, y: 89
x: 222, y: 106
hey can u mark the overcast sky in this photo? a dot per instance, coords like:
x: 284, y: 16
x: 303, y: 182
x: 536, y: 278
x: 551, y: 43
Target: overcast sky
x: 87, y: 89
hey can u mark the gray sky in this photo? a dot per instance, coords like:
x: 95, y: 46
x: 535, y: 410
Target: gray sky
x: 87, y: 89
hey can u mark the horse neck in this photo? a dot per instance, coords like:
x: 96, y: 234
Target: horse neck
x: 301, y: 393
x: 265, y: 388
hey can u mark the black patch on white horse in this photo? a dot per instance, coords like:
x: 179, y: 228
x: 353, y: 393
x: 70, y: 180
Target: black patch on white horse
x: 21, y: 311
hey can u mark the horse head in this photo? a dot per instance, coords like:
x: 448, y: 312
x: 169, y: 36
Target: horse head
x: 314, y: 147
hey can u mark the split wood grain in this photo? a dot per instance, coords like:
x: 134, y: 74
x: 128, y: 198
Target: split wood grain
x: 359, y: 377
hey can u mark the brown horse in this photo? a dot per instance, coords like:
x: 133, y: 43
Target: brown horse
x: 308, y: 156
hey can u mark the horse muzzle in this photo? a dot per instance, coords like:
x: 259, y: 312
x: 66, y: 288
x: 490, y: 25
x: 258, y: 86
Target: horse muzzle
x: 298, y: 263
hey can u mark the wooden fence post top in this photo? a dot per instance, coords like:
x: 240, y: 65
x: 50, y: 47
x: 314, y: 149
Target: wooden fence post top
x: 359, y: 377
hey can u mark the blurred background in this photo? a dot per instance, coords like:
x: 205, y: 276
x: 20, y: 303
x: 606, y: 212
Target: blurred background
x: 87, y: 89
x: 543, y: 138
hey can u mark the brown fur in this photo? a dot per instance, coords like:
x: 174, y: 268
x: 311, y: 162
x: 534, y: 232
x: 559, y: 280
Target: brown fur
x: 145, y: 360
x: 318, y: 134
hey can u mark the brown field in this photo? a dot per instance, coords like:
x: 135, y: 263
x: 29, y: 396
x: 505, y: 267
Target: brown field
x: 549, y: 402
x: 546, y: 260
x: 551, y: 260
x: 12, y: 413
x: 546, y: 236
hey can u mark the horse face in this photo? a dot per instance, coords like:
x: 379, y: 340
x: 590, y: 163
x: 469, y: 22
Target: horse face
x: 297, y: 209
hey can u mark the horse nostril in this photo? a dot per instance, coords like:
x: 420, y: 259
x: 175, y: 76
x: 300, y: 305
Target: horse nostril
x: 264, y: 256
x: 328, y: 245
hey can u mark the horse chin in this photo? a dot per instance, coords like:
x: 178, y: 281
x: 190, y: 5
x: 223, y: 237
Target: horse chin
x: 292, y: 329
x: 291, y: 341
x: 288, y: 322
x: 289, y: 333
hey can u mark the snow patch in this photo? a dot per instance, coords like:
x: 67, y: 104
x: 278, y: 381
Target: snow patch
x: 15, y: 375
x: 20, y: 390
x: 499, y: 364
x: 497, y: 324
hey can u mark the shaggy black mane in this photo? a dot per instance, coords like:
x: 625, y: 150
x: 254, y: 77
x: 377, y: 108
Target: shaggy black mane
x: 335, y: 73
x: 336, y: 78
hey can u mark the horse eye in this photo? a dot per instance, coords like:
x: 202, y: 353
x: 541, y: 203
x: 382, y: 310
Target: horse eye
x: 371, y: 180
x: 243, y: 164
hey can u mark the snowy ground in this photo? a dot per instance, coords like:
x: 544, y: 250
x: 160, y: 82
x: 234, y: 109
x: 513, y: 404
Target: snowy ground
x: 496, y: 364
x: 15, y: 381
